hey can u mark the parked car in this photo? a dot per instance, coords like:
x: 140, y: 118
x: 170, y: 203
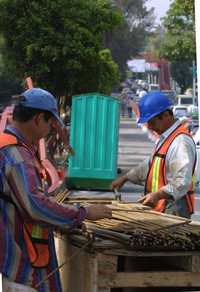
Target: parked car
x: 194, y: 113
x: 183, y: 99
x: 183, y: 112
x: 180, y: 111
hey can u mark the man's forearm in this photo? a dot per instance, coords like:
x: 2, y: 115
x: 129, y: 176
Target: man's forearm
x: 138, y: 174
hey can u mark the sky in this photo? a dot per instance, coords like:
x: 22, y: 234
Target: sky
x: 161, y: 7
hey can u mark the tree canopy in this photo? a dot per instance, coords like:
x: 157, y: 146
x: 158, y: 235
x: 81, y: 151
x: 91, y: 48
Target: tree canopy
x: 178, y: 44
x: 59, y: 43
x: 130, y: 38
x: 182, y: 72
x: 179, y: 40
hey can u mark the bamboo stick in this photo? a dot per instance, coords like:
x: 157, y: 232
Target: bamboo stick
x: 136, y: 228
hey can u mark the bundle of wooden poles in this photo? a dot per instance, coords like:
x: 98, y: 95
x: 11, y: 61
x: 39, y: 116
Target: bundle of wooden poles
x: 135, y: 227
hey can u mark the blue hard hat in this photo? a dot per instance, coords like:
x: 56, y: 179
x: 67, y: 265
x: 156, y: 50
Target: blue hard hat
x: 152, y: 104
x: 41, y: 99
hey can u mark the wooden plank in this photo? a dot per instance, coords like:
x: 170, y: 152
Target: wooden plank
x: 195, y: 264
x: 62, y: 256
x: 151, y: 279
x: 82, y: 271
x: 97, y: 272
x: 107, y: 263
x: 138, y: 253
x: 91, y: 273
x: 169, y: 216
x: 190, y: 264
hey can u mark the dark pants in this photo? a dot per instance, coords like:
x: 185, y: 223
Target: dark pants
x: 180, y: 208
x: 129, y: 112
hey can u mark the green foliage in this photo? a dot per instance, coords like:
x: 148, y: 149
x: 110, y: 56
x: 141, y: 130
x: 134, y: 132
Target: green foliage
x: 130, y: 38
x: 9, y: 85
x: 178, y: 45
x: 57, y: 42
x: 154, y: 40
x: 179, y: 41
x: 182, y: 72
x: 108, y: 71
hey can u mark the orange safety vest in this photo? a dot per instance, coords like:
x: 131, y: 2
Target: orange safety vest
x: 156, y: 177
x: 35, y: 236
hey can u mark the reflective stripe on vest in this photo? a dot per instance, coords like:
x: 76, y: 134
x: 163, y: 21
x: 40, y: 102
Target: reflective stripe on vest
x: 156, y: 177
x: 156, y: 171
x: 36, y: 239
x: 35, y: 236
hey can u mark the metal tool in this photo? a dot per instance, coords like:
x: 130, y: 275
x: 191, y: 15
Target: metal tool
x: 118, y: 195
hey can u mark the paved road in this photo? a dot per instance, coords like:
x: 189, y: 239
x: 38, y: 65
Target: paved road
x: 134, y: 147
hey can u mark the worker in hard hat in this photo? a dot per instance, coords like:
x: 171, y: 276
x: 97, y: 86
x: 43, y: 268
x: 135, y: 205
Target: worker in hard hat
x: 28, y: 215
x: 168, y: 174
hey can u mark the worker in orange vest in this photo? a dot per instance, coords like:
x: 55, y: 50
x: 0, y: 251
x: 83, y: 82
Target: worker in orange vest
x: 168, y: 175
x: 28, y: 214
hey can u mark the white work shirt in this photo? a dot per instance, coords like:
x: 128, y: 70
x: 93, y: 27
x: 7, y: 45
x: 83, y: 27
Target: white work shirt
x: 180, y: 161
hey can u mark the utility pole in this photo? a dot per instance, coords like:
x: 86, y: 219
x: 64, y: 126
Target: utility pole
x: 194, y: 73
x: 197, y: 26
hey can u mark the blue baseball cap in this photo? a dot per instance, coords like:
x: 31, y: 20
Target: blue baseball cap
x: 41, y: 99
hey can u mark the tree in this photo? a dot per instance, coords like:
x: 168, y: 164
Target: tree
x: 182, y: 73
x: 57, y: 42
x: 130, y: 38
x: 108, y: 71
x: 178, y: 45
x: 179, y: 40
x: 154, y: 40
x: 9, y: 84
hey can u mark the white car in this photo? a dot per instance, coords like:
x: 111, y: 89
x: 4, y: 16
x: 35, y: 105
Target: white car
x: 183, y: 99
x: 180, y: 111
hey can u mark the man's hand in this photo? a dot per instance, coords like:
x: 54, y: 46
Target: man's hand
x: 98, y: 211
x: 119, y: 182
x: 151, y: 199
x: 148, y: 200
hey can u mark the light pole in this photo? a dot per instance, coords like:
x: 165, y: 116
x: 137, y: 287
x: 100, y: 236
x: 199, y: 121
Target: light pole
x: 194, y: 82
x: 197, y: 26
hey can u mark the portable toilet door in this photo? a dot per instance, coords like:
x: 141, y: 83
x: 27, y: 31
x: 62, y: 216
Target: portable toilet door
x: 94, y: 137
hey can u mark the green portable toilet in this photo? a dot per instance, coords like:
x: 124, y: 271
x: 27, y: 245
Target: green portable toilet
x: 94, y: 137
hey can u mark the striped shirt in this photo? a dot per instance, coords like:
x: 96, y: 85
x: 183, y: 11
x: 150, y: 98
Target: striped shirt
x: 19, y: 179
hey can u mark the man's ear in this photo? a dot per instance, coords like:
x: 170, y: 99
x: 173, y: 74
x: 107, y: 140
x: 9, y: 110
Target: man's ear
x: 37, y: 118
x: 164, y: 115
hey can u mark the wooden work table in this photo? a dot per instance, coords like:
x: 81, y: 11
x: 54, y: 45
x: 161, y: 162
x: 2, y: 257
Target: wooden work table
x: 96, y: 261
x: 102, y: 271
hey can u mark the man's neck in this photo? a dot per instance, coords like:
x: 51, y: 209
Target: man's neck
x: 26, y: 130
